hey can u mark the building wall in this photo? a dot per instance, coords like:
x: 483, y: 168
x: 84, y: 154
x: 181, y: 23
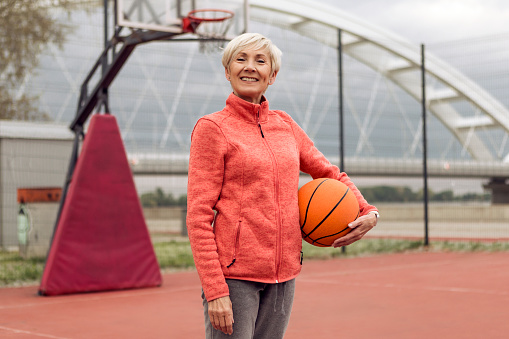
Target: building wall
x: 29, y: 161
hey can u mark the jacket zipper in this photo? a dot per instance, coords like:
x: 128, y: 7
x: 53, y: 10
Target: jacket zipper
x: 237, y: 237
x: 278, y: 215
x: 278, y: 224
x: 258, y: 121
x: 279, y: 247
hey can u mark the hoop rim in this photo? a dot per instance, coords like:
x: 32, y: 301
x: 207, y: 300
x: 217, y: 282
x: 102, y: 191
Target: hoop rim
x: 228, y: 15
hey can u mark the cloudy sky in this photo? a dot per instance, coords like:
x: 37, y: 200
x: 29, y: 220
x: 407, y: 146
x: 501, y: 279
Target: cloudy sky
x: 430, y: 21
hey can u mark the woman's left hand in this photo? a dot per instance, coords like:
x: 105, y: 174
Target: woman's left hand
x: 360, y: 226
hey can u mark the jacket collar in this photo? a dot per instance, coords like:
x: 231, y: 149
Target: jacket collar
x: 246, y: 110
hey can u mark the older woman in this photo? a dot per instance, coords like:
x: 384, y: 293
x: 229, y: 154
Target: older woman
x: 243, y: 216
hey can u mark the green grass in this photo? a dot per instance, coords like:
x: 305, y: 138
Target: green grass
x: 361, y: 248
x: 449, y: 246
x: 380, y: 246
x: 16, y: 270
x: 172, y: 254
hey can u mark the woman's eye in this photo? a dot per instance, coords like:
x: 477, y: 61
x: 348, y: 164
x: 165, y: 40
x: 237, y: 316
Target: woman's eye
x: 261, y: 61
x: 241, y: 59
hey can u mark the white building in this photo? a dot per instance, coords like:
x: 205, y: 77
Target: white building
x: 32, y: 155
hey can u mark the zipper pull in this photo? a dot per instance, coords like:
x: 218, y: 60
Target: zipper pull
x: 260, y: 126
x: 233, y: 262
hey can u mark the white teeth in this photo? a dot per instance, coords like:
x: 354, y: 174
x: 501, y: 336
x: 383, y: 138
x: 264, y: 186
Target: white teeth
x: 248, y: 79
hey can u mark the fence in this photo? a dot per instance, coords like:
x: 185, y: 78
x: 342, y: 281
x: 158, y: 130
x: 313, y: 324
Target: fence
x: 160, y: 94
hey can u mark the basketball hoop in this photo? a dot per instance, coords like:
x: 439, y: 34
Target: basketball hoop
x: 210, y: 25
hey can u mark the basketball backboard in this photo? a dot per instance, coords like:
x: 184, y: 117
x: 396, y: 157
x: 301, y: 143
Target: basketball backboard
x: 167, y: 15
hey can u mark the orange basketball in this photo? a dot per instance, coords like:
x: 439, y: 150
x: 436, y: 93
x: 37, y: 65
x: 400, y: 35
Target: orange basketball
x: 326, y: 207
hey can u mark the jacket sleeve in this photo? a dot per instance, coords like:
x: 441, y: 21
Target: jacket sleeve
x: 205, y: 180
x: 314, y: 163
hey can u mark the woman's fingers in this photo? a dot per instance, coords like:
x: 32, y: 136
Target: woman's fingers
x: 361, y: 226
x: 221, y: 314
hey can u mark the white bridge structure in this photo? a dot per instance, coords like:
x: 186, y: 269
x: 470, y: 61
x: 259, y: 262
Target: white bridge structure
x: 399, y: 61
x: 178, y: 164
x: 448, y: 93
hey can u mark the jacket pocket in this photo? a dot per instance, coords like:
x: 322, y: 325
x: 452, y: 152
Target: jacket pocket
x: 236, y: 244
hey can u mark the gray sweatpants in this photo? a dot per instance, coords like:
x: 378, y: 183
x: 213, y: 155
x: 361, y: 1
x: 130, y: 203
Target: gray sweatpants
x: 260, y: 311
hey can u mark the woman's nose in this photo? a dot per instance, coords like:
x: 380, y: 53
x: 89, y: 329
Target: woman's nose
x: 249, y: 67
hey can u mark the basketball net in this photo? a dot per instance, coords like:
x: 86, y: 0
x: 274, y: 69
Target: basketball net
x: 211, y: 26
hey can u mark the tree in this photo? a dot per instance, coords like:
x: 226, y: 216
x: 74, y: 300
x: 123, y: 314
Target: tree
x: 447, y: 195
x: 160, y: 199
x: 26, y: 28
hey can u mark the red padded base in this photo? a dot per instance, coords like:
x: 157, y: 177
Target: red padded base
x: 101, y: 241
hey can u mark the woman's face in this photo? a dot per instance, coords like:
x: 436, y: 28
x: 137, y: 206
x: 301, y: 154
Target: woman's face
x: 250, y: 74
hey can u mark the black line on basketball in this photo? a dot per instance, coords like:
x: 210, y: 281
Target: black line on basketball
x: 319, y: 243
x: 330, y: 235
x: 332, y: 210
x: 309, y: 203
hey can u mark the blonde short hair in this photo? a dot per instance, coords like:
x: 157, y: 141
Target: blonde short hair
x: 252, y: 41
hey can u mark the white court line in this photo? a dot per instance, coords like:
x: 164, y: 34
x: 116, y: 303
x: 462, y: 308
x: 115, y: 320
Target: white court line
x: 413, y: 288
x: 104, y: 295
x: 314, y: 278
x: 13, y: 330
x: 375, y: 269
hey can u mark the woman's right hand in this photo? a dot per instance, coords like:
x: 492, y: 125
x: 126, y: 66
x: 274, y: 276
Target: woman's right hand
x: 221, y: 314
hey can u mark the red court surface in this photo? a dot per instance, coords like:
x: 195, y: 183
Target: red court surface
x: 415, y: 295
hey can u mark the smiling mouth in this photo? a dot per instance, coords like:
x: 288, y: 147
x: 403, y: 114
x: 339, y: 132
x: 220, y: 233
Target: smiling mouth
x: 248, y: 79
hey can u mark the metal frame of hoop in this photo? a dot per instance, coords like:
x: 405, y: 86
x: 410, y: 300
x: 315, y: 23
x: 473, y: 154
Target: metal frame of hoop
x: 210, y: 25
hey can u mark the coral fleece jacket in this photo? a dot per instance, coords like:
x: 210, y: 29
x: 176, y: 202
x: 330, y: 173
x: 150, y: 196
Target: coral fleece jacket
x: 242, y: 206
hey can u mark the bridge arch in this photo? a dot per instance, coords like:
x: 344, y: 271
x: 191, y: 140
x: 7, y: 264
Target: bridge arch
x: 399, y: 61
